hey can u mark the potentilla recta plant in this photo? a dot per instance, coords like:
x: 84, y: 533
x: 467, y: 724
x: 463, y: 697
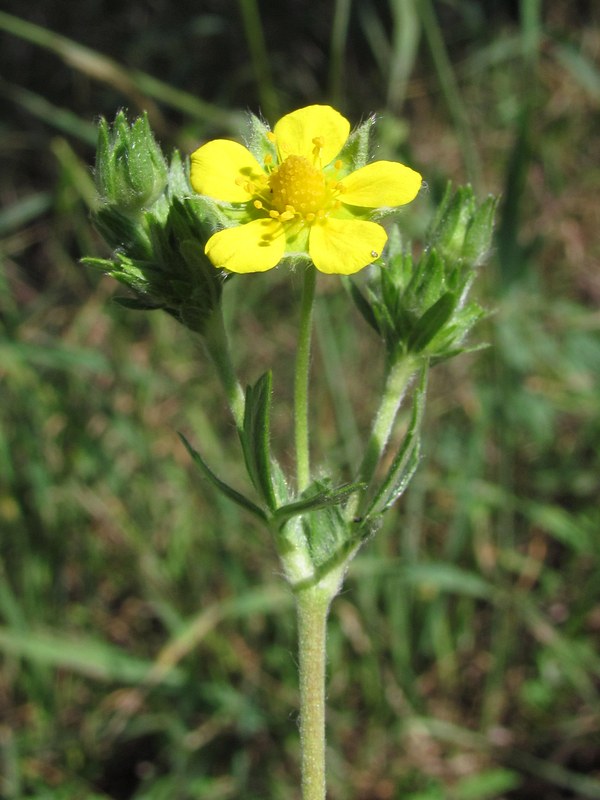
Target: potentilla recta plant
x: 302, y: 196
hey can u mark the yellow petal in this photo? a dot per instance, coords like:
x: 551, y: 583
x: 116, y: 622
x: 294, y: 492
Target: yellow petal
x: 343, y: 246
x: 255, y: 247
x: 380, y: 184
x: 294, y: 133
x: 217, y: 165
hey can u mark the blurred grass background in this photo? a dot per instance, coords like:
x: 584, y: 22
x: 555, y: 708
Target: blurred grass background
x: 146, y: 639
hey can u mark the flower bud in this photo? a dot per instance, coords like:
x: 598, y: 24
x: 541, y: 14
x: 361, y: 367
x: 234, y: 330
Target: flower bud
x: 478, y: 237
x: 461, y: 231
x: 131, y: 172
x: 449, y: 227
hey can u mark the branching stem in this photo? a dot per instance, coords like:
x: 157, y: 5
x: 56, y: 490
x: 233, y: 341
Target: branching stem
x: 217, y: 345
x: 398, y: 378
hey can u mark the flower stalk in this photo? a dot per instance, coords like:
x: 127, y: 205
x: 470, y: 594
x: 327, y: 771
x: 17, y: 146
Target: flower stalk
x: 399, y: 376
x: 301, y: 380
x: 217, y: 345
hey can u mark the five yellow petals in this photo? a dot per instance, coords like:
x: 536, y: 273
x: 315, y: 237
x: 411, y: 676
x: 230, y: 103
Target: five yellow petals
x: 303, y: 204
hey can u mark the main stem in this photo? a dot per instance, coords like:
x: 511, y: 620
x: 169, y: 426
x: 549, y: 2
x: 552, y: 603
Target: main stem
x: 301, y: 380
x: 312, y: 609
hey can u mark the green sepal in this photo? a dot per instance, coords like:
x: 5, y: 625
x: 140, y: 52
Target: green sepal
x: 429, y: 280
x: 431, y: 323
x: 315, y: 497
x: 257, y: 139
x: 256, y: 438
x: 178, y: 184
x: 223, y: 487
x: 120, y: 231
x: 406, y: 461
x: 355, y: 152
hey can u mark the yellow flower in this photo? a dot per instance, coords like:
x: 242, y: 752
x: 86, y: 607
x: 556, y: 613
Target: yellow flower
x: 301, y: 200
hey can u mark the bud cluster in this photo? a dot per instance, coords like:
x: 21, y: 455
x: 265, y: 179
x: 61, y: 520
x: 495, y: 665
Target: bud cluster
x: 155, y: 226
x: 420, y: 308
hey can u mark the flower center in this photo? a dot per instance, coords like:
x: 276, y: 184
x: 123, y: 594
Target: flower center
x: 297, y: 185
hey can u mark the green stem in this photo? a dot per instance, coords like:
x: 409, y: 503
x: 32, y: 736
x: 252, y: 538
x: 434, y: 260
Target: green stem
x: 312, y: 608
x: 301, y: 380
x: 397, y: 380
x: 217, y: 345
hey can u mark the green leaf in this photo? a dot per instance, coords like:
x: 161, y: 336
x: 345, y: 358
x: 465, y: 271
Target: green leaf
x: 224, y: 488
x: 101, y: 264
x: 328, y: 535
x: 363, y: 305
x: 432, y: 321
x: 256, y: 436
x: 137, y: 304
x: 322, y: 499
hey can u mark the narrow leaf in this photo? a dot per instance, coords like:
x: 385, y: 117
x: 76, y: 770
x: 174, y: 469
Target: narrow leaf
x: 137, y: 304
x: 256, y: 436
x: 431, y: 322
x: 224, y: 488
x: 363, y: 305
x: 328, y: 497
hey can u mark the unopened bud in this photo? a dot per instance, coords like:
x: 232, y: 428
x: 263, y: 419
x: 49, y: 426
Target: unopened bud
x: 478, y: 237
x: 131, y: 172
x: 461, y: 231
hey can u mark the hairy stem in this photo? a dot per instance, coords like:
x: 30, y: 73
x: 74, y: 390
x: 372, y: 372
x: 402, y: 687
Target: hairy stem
x: 398, y: 378
x: 312, y: 609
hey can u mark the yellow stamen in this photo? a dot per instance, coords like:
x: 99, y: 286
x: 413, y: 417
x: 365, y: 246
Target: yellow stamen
x: 297, y: 184
x: 271, y: 136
